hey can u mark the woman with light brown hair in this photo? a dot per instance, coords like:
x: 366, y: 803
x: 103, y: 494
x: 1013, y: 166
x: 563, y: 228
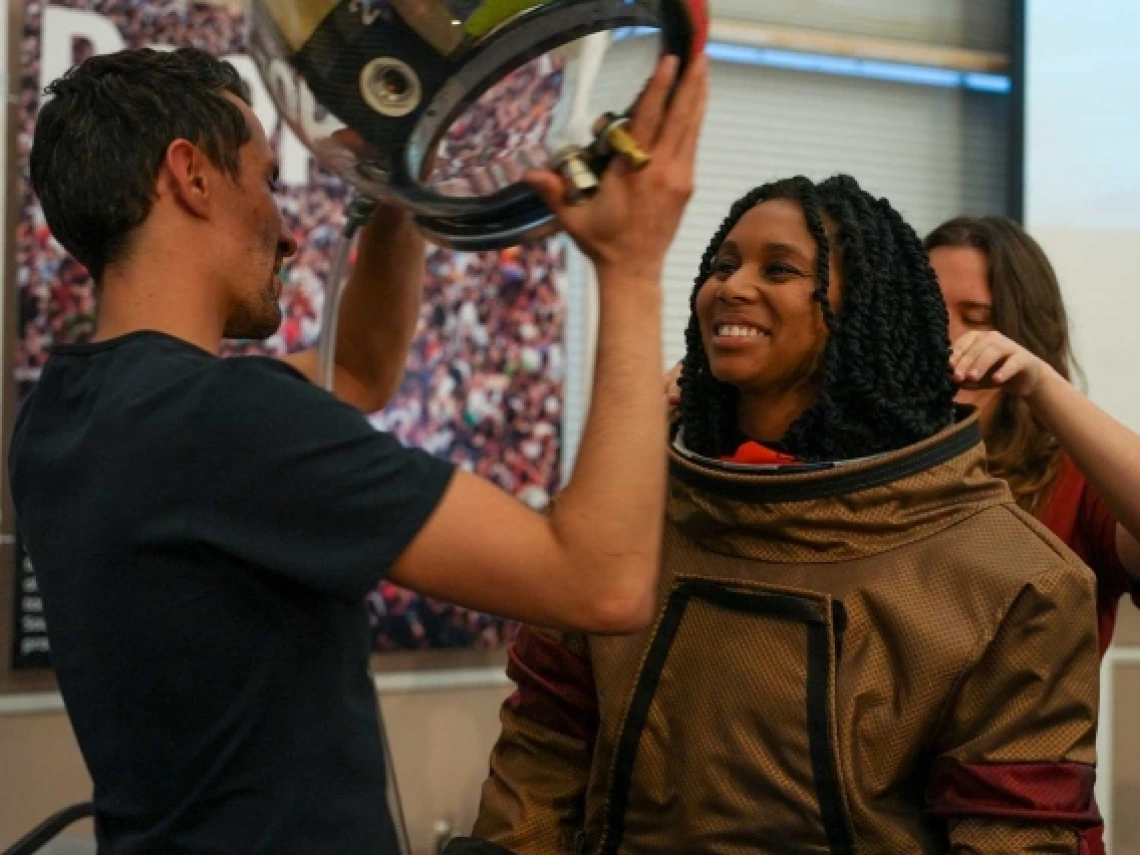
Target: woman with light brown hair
x: 1067, y: 462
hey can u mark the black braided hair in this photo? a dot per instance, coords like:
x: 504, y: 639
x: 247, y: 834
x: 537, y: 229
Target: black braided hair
x: 885, y: 378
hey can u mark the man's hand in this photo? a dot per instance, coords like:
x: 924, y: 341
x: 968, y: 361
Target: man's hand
x: 593, y: 564
x: 629, y: 225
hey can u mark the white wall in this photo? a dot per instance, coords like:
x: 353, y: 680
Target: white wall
x: 1083, y: 179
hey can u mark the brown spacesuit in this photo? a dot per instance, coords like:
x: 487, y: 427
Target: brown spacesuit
x: 886, y: 656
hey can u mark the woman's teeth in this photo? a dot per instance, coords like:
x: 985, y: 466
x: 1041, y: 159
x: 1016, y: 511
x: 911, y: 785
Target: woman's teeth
x: 734, y: 331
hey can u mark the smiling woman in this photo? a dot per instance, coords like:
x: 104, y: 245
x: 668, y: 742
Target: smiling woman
x: 771, y: 356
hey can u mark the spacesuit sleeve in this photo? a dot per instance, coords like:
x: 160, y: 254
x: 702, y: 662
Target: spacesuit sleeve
x: 1017, y: 749
x: 533, y: 800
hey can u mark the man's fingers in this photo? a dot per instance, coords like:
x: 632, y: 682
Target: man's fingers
x: 686, y: 113
x: 549, y: 187
x: 645, y: 126
x: 691, y: 137
x: 351, y: 140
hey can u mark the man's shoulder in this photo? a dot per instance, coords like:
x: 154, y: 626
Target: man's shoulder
x: 252, y: 368
x: 264, y: 382
x: 260, y: 394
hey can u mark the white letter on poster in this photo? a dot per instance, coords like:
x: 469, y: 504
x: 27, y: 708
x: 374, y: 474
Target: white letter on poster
x: 61, y: 27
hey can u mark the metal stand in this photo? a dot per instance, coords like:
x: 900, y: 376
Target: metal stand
x: 49, y: 829
x: 357, y: 212
x: 395, y: 806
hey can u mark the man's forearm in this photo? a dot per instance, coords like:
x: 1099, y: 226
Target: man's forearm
x: 613, y: 501
x: 380, y: 308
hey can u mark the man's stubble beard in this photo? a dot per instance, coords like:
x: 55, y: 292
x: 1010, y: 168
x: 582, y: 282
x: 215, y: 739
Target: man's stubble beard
x: 259, y: 322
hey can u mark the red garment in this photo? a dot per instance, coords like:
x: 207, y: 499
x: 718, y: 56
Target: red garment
x: 1031, y: 792
x: 1079, y: 516
x: 755, y: 454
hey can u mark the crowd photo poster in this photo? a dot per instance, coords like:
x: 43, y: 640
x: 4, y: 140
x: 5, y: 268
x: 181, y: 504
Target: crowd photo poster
x: 484, y: 379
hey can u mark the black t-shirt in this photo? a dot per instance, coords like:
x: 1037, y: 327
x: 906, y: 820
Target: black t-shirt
x: 204, y: 531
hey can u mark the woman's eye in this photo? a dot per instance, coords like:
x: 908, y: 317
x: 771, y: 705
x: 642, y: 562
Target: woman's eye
x: 978, y: 320
x: 781, y: 271
x: 724, y: 267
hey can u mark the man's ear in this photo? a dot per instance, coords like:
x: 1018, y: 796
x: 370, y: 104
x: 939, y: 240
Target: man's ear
x: 189, y: 177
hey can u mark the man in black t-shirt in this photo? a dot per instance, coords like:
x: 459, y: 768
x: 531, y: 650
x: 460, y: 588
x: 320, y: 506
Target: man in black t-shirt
x: 205, y: 531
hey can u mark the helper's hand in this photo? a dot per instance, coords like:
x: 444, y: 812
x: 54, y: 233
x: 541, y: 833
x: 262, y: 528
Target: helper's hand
x: 989, y: 360
x: 629, y: 225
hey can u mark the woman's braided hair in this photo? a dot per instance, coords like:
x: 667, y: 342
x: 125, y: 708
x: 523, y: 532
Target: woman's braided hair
x: 885, y: 378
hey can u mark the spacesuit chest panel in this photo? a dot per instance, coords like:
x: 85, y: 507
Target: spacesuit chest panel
x: 729, y: 738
